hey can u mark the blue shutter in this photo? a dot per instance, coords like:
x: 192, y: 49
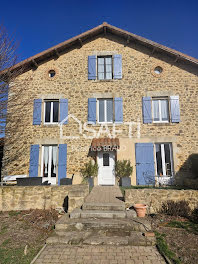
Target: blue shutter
x: 62, y: 162
x: 37, y: 112
x: 92, y: 67
x: 64, y: 110
x: 175, y: 111
x: 92, y: 110
x: 146, y: 110
x: 117, y: 66
x: 34, y: 161
x: 145, y: 169
x: 118, y: 106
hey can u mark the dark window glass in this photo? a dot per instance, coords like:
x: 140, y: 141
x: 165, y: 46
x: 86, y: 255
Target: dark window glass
x: 168, y: 159
x: 47, y: 111
x: 109, y: 110
x: 106, y: 159
x: 159, y: 159
x: 101, y: 110
x: 55, y: 111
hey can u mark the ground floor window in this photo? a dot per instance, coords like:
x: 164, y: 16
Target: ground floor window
x: 164, y: 161
x: 49, y: 162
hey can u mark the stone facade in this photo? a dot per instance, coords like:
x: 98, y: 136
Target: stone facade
x: 16, y: 198
x: 155, y: 197
x: 71, y: 82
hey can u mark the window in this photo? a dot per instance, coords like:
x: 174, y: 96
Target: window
x: 163, y: 156
x: 160, y: 110
x: 105, y: 68
x: 49, y: 163
x: 105, y: 110
x: 51, y: 112
x: 106, y: 159
x: 51, y: 73
x: 158, y: 70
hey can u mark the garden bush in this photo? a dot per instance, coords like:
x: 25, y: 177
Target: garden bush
x: 194, y: 215
x: 178, y: 208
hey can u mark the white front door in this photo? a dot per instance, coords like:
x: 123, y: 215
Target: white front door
x: 106, y: 168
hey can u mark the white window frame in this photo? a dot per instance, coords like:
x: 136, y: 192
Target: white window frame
x: 163, y: 158
x: 50, y: 161
x: 105, y: 56
x: 160, y: 110
x: 51, y: 113
x: 105, y: 110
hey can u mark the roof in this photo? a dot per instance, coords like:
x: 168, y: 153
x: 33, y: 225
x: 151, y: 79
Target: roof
x: 98, y: 144
x: 103, y: 29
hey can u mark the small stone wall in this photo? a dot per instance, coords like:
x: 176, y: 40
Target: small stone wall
x: 42, y: 197
x: 155, y: 197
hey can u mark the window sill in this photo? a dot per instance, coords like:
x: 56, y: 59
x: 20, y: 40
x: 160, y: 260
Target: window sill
x: 50, y: 124
x: 106, y: 124
x: 161, y: 124
x: 111, y: 80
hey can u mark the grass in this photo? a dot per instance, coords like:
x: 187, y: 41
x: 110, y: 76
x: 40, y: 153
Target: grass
x: 189, y: 226
x: 16, y: 255
x: 4, y: 229
x: 14, y: 213
x: 164, y: 249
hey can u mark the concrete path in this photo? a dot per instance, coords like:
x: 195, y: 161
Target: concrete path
x: 99, y: 255
x: 104, y: 194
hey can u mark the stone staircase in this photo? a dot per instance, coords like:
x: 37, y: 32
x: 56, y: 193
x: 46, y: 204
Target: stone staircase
x: 103, y: 220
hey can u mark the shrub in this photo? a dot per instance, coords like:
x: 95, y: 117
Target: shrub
x: 123, y: 168
x: 194, y: 164
x: 194, y: 215
x: 90, y: 170
x: 179, y: 208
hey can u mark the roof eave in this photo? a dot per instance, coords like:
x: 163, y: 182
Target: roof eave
x: 35, y: 60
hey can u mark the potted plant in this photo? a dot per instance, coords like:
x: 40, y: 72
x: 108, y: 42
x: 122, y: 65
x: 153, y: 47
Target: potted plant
x: 140, y: 209
x: 123, y: 170
x: 89, y: 172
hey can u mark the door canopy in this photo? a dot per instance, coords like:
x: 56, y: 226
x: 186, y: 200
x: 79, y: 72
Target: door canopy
x: 105, y: 144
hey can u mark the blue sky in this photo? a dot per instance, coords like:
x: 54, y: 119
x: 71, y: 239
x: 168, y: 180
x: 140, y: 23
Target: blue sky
x: 40, y: 24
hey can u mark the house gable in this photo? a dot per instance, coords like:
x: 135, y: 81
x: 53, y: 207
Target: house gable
x: 104, y: 30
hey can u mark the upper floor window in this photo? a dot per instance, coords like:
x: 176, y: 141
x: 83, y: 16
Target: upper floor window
x: 160, y: 109
x: 51, y: 111
x: 105, y: 110
x: 105, y: 69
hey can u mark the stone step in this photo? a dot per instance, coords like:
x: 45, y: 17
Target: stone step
x: 65, y: 223
x: 104, y: 206
x: 102, y: 214
x: 92, y: 238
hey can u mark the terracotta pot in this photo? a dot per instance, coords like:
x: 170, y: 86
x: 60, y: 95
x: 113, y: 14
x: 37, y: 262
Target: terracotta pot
x: 140, y: 209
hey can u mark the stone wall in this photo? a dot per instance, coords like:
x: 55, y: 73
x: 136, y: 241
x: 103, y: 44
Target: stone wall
x: 155, y: 197
x: 42, y: 197
x: 71, y: 82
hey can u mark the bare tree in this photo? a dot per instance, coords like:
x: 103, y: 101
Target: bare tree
x: 8, y: 58
x: 14, y: 99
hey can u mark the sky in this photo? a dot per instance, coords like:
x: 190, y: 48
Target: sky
x: 40, y: 24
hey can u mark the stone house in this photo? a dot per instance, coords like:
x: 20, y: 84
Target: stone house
x: 105, y: 95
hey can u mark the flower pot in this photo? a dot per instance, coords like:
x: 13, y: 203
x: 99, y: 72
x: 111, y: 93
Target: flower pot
x: 140, y: 209
x: 125, y: 181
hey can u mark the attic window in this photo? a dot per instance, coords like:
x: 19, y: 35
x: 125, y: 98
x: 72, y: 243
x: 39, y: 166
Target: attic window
x: 51, y: 73
x: 158, y: 70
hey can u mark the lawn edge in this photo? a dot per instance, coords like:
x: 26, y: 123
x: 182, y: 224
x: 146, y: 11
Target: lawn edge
x: 167, y: 260
x: 38, y: 254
